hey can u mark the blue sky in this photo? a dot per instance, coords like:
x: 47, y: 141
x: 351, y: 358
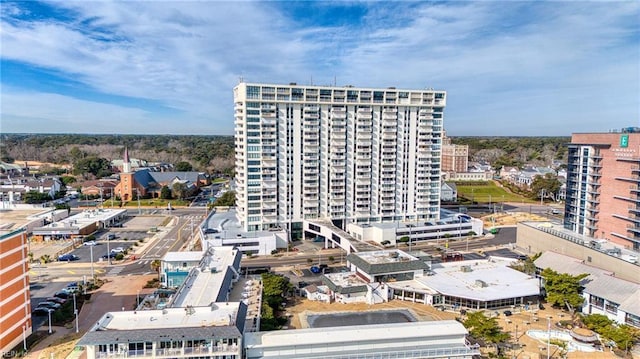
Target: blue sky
x: 168, y: 67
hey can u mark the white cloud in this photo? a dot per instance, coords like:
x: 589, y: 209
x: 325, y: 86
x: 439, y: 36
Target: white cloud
x: 504, y: 56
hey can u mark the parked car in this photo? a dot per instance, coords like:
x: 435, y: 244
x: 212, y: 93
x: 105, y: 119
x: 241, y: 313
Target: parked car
x: 110, y: 255
x: 89, y: 243
x: 50, y: 305
x: 40, y: 311
x: 72, y: 288
x: 56, y: 300
x: 111, y: 236
x: 507, y: 313
x: 315, y: 269
x: 62, y: 294
x: 68, y: 257
x: 117, y: 250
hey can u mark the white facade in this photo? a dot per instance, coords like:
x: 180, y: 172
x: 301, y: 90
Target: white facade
x: 341, y: 153
x: 436, y: 339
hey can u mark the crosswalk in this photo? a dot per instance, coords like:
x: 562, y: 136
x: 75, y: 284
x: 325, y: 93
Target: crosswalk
x: 115, y: 270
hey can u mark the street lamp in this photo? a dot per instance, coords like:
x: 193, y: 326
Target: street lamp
x: 138, y: 299
x: 93, y: 278
x: 49, y: 313
x: 75, y: 311
x: 75, y: 308
x: 24, y: 337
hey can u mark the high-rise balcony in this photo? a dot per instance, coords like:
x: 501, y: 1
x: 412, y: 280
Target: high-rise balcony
x: 269, y: 159
x: 338, y: 142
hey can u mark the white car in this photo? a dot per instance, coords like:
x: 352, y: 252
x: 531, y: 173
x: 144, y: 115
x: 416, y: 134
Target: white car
x: 89, y: 243
x: 117, y: 250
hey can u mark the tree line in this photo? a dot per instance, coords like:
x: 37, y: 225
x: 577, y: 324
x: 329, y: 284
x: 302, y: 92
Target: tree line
x: 203, y: 153
x: 515, y: 151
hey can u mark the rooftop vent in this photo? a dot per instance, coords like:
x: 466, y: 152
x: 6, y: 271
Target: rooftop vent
x: 481, y: 283
x: 393, y: 254
x: 465, y: 269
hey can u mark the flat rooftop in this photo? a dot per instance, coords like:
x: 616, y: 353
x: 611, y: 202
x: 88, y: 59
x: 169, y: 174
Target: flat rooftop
x: 446, y: 217
x: 601, y: 245
x: 329, y: 336
x: 482, y: 280
x: 386, y: 256
x: 183, y: 256
x: 227, y: 225
x: 218, y: 314
x: 203, y: 284
x: 14, y: 218
x: 84, y: 219
x: 220, y: 320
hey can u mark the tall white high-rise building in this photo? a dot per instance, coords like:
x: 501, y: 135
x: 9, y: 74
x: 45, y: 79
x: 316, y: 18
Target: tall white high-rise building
x: 345, y: 154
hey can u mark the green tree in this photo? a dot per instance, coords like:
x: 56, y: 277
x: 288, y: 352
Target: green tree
x: 227, y: 199
x: 563, y: 290
x: 99, y: 167
x: 179, y: 190
x: 274, y: 289
x: 623, y: 335
x: 184, y: 166
x: 547, y: 185
x: 482, y: 327
x: 596, y: 322
x: 67, y: 180
x: 32, y: 197
x: 165, y: 193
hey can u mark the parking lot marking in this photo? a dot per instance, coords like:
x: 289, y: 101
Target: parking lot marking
x: 32, y: 272
x: 99, y: 270
x: 71, y: 272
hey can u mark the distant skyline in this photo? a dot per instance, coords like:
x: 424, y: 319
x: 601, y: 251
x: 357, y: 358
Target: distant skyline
x: 169, y: 67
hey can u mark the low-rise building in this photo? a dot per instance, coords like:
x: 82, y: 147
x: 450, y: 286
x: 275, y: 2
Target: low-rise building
x: 603, y: 292
x: 413, y: 340
x: 81, y: 224
x: 212, y: 332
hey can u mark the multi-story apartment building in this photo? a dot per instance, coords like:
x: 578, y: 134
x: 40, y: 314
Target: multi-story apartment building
x: 455, y: 158
x: 342, y: 153
x: 603, y: 186
x: 15, y: 298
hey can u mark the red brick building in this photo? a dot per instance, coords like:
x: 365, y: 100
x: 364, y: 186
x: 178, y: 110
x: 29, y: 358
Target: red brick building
x: 15, y: 298
x: 603, y: 186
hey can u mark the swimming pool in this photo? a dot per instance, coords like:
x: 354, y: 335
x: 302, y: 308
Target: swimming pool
x: 359, y: 318
x: 572, y: 345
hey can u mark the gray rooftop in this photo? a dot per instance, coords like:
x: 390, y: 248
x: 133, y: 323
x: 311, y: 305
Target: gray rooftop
x: 386, y: 261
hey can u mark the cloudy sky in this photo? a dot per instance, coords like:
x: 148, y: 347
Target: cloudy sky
x: 168, y: 67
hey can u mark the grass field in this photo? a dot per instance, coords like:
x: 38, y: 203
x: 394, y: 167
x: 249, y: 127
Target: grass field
x: 489, y: 192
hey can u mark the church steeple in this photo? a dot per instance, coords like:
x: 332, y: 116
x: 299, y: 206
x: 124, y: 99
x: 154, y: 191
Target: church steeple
x: 126, y: 163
